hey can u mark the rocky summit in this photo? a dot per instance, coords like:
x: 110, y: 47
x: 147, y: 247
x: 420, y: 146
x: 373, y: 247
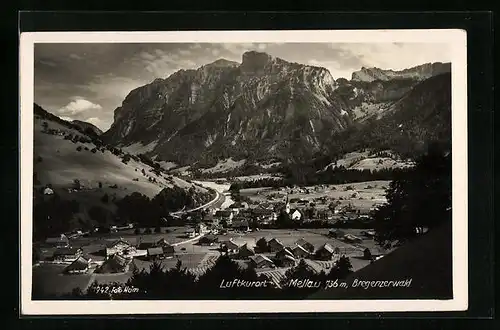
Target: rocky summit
x: 262, y: 108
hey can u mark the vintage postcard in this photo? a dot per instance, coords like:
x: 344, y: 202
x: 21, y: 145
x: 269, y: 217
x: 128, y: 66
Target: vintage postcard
x: 243, y: 172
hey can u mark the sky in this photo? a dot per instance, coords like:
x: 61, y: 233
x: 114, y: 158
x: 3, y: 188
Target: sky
x: 88, y: 81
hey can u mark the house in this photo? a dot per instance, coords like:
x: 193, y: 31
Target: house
x: 81, y: 265
x: 208, y: 240
x: 115, y: 264
x: 263, y: 215
x: 61, y: 241
x: 158, y: 253
x: 261, y: 261
x: 299, y: 252
x: 240, y: 225
x: 229, y: 246
x: 325, y: 252
x: 296, y: 215
x: 275, y: 245
x: 224, y: 215
x: 146, y: 243
x: 48, y: 191
x: 117, y: 246
x: 285, y: 258
x: 67, y: 254
x: 305, y: 244
x: 244, y: 252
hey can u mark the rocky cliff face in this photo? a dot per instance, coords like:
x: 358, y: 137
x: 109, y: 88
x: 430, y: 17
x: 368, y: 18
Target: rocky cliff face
x: 420, y: 72
x: 263, y: 107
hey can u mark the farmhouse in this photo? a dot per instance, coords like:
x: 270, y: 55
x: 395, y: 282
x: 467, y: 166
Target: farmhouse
x: 61, y: 241
x: 158, y: 253
x: 80, y: 266
x: 264, y: 215
x: 67, y: 254
x: 117, y: 246
x: 229, y: 246
x: 261, y: 261
x: 285, y: 258
x: 115, y: 264
x: 275, y: 245
x: 208, y: 240
x: 305, y: 244
x: 299, y: 252
x: 244, y: 252
x: 325, y: 252
x: 224, y: 215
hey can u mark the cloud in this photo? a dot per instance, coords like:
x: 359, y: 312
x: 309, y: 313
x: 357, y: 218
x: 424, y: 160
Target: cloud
x: 95, y: 121
x: 78, y: 106
x: 47, y: 63
x: 147, y: 56
x: 75, y: 57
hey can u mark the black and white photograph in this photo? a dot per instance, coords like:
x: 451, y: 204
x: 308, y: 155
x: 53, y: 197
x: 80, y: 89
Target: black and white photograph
x: 226, y: 171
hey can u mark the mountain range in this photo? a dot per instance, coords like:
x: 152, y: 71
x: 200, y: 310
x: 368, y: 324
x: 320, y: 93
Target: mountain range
x: 266, y: 109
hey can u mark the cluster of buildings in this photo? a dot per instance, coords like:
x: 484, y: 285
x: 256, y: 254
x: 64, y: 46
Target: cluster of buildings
x: 118, y: 254
x: 272, y: 253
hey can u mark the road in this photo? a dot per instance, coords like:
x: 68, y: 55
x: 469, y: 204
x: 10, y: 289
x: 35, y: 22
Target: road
x: 218, y: 201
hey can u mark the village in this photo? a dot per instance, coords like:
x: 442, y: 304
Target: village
x: 247, y: 231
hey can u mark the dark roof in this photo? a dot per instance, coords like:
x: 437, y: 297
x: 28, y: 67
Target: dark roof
x: 223, y: 213
x: 209, y: 238
x: 114, y: 264
x: 163, y: 241
x: 155, y: 251
x: 81, y: 263
x: 299, y: 247
x: 327, y: 247
x: 120, y: 240
x: 260, y: 258
x: 66, y: 251
x: 168, y: 249
x: 302, y: 242
x: 230, y: 244
x: 246, y: 247
x: 286, y: 251
x: 274, y: 240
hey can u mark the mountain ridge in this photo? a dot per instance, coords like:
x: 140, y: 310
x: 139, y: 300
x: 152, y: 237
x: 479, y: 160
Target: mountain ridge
x: 262, y: 108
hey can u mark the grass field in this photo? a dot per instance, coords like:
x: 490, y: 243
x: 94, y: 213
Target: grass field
x: 49, y: 279
x: 361, y: 195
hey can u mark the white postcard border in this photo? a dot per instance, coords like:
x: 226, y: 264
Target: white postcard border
x: 456, y: 39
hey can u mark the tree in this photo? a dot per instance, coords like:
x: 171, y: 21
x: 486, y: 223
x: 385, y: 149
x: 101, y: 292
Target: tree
x: 261, y: 245
x: 419, y: 198
x: 367, y: 254
x: 105, y: 198
x: 342, y: 269
x: 76, y: 184
x: 100, y: 184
